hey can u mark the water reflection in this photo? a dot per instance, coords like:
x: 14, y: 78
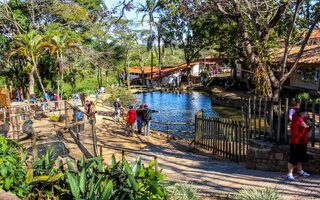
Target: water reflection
x: 179, y: 107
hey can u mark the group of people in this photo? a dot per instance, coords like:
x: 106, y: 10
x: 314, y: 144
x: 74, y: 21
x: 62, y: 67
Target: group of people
x: 300, y: 126
x: 140, y: 117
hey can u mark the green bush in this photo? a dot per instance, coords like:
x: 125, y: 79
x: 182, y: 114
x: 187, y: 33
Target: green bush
x: 87, y: 179
x: 125, y: 96
x: 55, y: 118
x: 258, y: 194
x: 182, y: 191
x: 303, y: 96
x: 12, y: 173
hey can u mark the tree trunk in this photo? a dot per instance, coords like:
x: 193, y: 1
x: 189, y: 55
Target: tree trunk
x: 58, y: 83
x: 107, y: 78
x: 61, y: 84
x: 188, y: 73
x: 43, y: 90
x: 128, y: 76
x: 159, y: 50
x: 31, y: 83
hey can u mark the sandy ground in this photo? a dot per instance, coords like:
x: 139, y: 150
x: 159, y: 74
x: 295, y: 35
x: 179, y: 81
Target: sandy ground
x: 109, y: 135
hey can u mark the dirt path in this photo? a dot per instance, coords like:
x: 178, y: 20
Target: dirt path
x: 221, y: 177
x: 109, y: 134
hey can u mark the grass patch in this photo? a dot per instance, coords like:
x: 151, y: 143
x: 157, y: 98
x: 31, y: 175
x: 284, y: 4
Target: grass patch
x: 266, y: 193
x: 182, y: 191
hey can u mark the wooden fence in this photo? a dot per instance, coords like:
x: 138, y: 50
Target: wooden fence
x: 227, y: 138
x: 268, y: 119
x: 168, y: 130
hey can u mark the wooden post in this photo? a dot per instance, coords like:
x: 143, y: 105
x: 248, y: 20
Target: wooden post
x: 249, y: 115
x: 271, y: 121
x: 313, y: 123
x: 18, y: 126
x: 94, y: 137
x: 168, y: 134
x: 21, y: 95
x: 279, y: 121
x: 122, y: 153
x: 260, y: 101
x: 265, y: 118
x: 236, y: 139
x: 156, y: 163
x: 34, y: 148
x: 66, y: 112
x: 286, y: 119
x: 254, y: 115
x: 100, y: 151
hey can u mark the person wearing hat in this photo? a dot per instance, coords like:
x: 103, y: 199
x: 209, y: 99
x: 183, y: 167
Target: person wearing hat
x: 146, y: 118
x: 117, y: 107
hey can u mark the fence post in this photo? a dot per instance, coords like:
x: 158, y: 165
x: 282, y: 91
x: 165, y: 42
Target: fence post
x: 156, y: 163
x: 66, y: 112
x: 260, y: 101
x: 286, y: 118
x: 271, y: 121
x: 249, y: 115
x: 265, y: 118
x: 34, y: 148
x: 313, y: 122
x: 94, y: 137
x: 100, y: 151
x: 279, y: 121
x: 168, y: 136
x: 254, y: 116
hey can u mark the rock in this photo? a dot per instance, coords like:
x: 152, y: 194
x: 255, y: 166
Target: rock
x: 7, y: 196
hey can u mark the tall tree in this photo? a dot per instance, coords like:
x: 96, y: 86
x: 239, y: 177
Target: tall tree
x: 60, y: 44
x: 190, y: 32
x: 31, y: 46
x: 149, y: 8
x: 257, y: 21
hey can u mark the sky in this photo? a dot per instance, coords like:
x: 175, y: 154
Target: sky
x: 130, y: 15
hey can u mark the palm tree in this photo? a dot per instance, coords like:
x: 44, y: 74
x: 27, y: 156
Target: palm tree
x: 31, y: 46
x: 149, y: 8
x: 58, y: 46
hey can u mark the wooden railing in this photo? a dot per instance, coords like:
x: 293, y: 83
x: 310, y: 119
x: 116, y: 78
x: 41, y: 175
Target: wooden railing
x: 168, y: 130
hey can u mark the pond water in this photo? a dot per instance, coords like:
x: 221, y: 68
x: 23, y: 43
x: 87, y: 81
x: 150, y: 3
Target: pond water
x: 176, y: 107
x: 60, y: 149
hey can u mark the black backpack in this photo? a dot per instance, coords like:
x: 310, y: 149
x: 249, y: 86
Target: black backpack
x: 146, y: 114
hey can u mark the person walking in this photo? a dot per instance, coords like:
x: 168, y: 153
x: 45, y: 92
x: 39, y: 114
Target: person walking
x: 50, y: 94
x: 300, y: 126
x: 83, y: 98
x: 97, y: 92
x: 75, y: 97
x: 146, y: 118
x: 139, y: 118
x: 131, y: 119
x: 88, y: 91
x: 117, y: 107
x: 18, y: 95
x: 92, y: 110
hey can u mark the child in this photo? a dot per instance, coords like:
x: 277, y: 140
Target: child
x: 131, y: 118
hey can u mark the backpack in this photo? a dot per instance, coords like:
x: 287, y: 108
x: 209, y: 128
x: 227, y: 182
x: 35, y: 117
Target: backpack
x: 146, y: 114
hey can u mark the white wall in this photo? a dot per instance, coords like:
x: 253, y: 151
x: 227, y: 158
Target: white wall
x: 171, y: 79
x: 195, y: 70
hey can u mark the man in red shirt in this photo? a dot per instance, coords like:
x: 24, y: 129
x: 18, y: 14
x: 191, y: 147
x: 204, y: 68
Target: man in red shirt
x: 300, y: 127
x: 131, y: 118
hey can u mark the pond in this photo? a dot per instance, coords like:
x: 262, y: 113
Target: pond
x: 60, y: 149
x: 182, y: 107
